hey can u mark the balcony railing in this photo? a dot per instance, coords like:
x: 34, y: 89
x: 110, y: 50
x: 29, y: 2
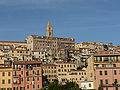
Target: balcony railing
x: 16, y: 76
x: 110, y: 85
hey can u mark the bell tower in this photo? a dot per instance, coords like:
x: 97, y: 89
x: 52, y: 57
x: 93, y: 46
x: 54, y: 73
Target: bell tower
x: 49, y: 30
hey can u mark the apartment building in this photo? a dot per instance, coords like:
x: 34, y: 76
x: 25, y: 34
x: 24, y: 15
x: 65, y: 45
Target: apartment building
x: 77, y: 76
x: 42, y: 55
x: 62, y: 70
x: 12, y: 43
x: 27, y: 75
x: 97, y: 46
x: 5, y: 75
x: 101, y: 59
x: 108, y: 78
x: 50, y: 72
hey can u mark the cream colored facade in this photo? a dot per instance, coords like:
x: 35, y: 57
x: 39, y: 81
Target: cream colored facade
x: 12, y: 43
x: 50, y: 44
x: 50, y: 72
x: 5, y: 75
x: 77, y: 76
x: 39, y: 54
x: 62, y: 70
x: 5, y: 78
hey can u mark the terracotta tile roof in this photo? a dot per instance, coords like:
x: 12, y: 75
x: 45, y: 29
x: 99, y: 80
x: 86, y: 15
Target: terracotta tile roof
x: 106, y: 52
x: 50, y: 37
x: 38, y: 51
x: 1, y: 55
x: 77, y: 70
x: 12, y: 42
x: 107, y: 67
x: 49, y: 65
x: 5, y: 67
x: 65, y: 63
x: 27, y: 62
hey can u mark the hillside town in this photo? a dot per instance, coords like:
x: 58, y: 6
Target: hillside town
x: 40, y: 60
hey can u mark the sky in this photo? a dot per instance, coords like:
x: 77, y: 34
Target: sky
x: 84, y: 20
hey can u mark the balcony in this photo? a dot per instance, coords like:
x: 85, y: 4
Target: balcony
x: 110, y: 85
x: 107, y: 61
x: 17, y: 69
x: 16, y: 81
x: 16, y: 76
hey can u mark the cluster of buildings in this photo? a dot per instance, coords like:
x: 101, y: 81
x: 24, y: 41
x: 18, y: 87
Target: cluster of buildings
x: 39, y: 60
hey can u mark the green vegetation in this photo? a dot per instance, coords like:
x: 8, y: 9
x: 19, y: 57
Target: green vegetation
x: 67, y: 86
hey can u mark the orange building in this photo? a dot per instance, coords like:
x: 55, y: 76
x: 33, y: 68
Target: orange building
x: 27, y: 75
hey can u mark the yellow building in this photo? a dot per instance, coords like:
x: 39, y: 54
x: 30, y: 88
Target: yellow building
x: 62, y: 70
x: 12, y: 43
x: 6, y: 75
x: 77, y: 76
x: 50, y: 72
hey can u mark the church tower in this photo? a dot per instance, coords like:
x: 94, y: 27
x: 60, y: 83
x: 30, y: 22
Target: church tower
x: 49, y: 30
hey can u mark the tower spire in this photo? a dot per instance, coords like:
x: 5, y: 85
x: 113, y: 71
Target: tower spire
x: 49, y: 30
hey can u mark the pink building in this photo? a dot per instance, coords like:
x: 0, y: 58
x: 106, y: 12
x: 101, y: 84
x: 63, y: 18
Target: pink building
x: 27, y: 75
x: 107, y: 78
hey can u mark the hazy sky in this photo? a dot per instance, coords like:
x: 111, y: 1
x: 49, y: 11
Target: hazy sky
x: 85, y: 20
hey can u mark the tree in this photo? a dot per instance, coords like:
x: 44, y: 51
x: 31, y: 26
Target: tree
x: 100, y: 88
x: 68, y: 86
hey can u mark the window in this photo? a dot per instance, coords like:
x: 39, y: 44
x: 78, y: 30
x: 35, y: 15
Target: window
x: 100, y: 72
x: 101, y: 82
x: 21, y: 79
x: 21, y: 72
x: 115, y: 73
x: 58, y: 70
x: 37, y: 78
x: 8, y: 73
x: 33, y: 72
x: 28, y: 79
x: 89, y: 85
x: 116, y: 88
x: 38, y: 86
x: 33, y: 79
x: 105, y: 72
x: 9, y: 81
x: 106, y: 81
x: 27, y: 86
x: 38, y: 72
x: 100, y: 58
x: 115, y: 81
x: 116, y: 58
x: 3, y: 81
x: 33, y: 86
x: 114, y: 65
x: 15, y: 88
x: 9, y: 88
x: 3, y: 73
x: 27, y: 73
x: 96, y: 59
x: 22, y: 88
x: 105, y: 58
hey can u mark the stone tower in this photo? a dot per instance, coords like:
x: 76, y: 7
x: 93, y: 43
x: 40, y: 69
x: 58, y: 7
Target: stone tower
x: 49, y: 30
